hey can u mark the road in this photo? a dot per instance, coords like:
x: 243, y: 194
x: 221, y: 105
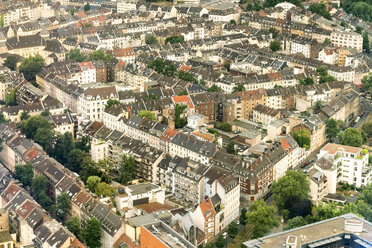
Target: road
x: 366, y: 107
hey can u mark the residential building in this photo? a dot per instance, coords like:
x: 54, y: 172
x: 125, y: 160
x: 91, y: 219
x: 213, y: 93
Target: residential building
x: 265, y: 115
x: 347, y: 39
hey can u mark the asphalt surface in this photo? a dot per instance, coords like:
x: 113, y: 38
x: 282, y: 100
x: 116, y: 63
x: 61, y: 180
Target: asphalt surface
x: 366, y: 108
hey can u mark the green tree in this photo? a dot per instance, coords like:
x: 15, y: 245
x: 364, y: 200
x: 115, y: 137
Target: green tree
x: 76, y: 55
x: 274, y: 32
x: 157, y: 65
x: 45, y: 113
x: 303, y: 138
x: 100, y: 55
x: 112, y: 102
x: 366, y: 42
x: 210, y: 245
x: 275, y: 45
x: 224, y: 126
x: 10, y: 98
x: 2, y: 118
x: 238, y: 88
x: 320, y: 9
x: 292, y: 184
x: 230, y: 148
x: 24, y: 115
x: 214, y: 88
x: 332, y: 128
x: 31, y: 66
x: 175, y: 39
x: 150, y: 97
x: 359, y: 29
x: 63, y: 206
x: 227, y: 65
x: 128, y: 169
x: 147, y: 114
x: 220, y: 242
x: 150, y: 39
x: 351, y: 137
x: 367, y: 83
x: 327, y: 42
x: 232, y: 230
x: 262, y: 217
x: 39, y: 188
x: 84, y: 143
x: 243, y: 216
x: 367, y: 194
x: 74, y: 226
x: 88, y: 168
x: 1, y: 21
x: 74, y: 159
x: 92, y: 183
x: 306, y: 81
x: 24, y: 173
x: 183, y: 93
x: 180, y: 122
x: 92, y: 233
x: 170, y: 70
x: 86, y: 7
x: 187, y: 77
x: 322, y: 71
x: 233, y: 22
x: 45, y: 137
x: 344, y: 24
x: 11, y: 62
x: 104, y: 190
x: 295, y: 222
x: 367, y: 128
x: 317, y: 106
x: 63, y: 146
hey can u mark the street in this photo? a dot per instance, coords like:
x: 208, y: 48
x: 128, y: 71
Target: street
x: 366, y: 107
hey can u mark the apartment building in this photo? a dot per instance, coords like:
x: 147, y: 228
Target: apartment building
x: 265, y: 115
x: 249, y: 100
x: 91, y: 103
x: 351, y: 164
x: 347, y: 39
x: 88, y: 73
x: 123, y: 6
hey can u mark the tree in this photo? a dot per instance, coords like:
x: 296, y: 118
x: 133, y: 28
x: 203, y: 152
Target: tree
x: 351, y: 137
x: 227, y: 65
x: 63, y: 206
x: 327, y: 42
x: 233, y: 22
x: 306, y: 81
x: 170, y: 70
x: 214, y: 88
x: 2, y: 118
x: 157, y: 65
x: 112, y: 102
x: 100, y: 55
x: 1, y: 20
x: 150, y: 97
x: 367, y: 128
x: 224, y: 126
x: 366, y: 42
x: 104, y: 190
x: 367, y: 83
x: 367, y: 194
x: 317, y: 106
x: 24, y: 115
x: 45, y: 113
x: 86, y: 7
x: 232, y: 230
x: 76, y: 55
x: 24, y: 174
x: 220, y: 242
x: 39, y: 187
x: 83, y: 144
x: 150, y: 39
x: 243, y: 216
x: 292, y: 184
x: 187, y: 77
x: 179, y: 121
x: 10, y: 98
x: 31, y: 66
x: 303, y: 138
x: 321, y: 70
x: 320, y: 9
x: 359, y: 29
x: 45, y: 137
x: 274, y: 32
x: 128, y: 169
x: 92, y: 233
x: 230, y: 148
x: 11, y: 62
x: 295, y: 222
x: 332, y: 128
x: 147, y: 114
x: 92, y: 183
x: 175, y: 39
x: 183, y: 93
x: 262, y: 217
x: 74, y: 226
x: 63, y: 146
x: 275, y: 45
x: 238, y: 88
x: 88, y: 168
x: 344, y: 24
x: 210, y: 245
x: 75, y: 159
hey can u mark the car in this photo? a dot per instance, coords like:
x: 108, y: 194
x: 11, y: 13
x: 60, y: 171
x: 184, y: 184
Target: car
x: 307, y: 162
x: 224, y: 234
x: 238, y: 222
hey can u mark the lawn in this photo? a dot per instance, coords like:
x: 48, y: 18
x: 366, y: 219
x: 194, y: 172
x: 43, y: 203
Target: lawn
x: 243, y: 236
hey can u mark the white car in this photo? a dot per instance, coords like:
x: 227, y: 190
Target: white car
x: 224, y: 234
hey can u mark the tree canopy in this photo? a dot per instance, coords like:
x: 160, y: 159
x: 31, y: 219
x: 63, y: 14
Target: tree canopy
x: 150, y: 39
x: 74, y: 226
x: 11, y: 62
x: 100, y: 55
x: 262, y: 217
x: 128, y: 169
x: 303, y: 138
x: 63, y: 206
x: 351, y: 137
x: 147, y: 114
x: 24, y: 173
x: 76, y: 55
x: 214, y: 88
x: 320, y: 9
x: 175, y: 39
x: 180, y: 122
x: 31, y: 66
x: 92, y: 233
x: 275, y: 45
x: 30, y: 126
x: 238, y: 88
x: 332, y: 128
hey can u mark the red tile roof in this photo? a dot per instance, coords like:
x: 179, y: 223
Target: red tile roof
x: 333, y: 148
x: 183, y: 99
x: 207, y: 208
x: 168, y: 134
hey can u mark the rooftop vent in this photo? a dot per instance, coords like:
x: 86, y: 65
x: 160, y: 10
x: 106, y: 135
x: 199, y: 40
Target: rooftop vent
x: 291, y: 242
x: 355, y: 226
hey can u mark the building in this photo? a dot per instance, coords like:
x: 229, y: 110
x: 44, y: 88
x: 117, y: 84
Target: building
x: 91, y: 103
x: 346, y: 230
x: 123, y: 6
x: 351, y: 163
x: 88, y: 73
x: 265, y: 115
x: 347, y: 40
